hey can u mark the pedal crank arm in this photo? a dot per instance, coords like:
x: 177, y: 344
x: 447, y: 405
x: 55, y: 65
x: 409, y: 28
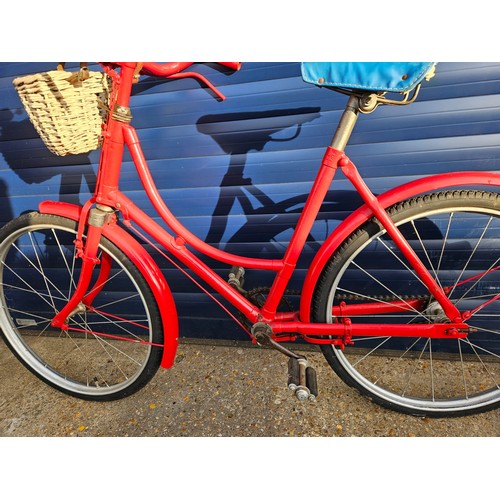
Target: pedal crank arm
x: 262, y: 333
x: 302, y: 379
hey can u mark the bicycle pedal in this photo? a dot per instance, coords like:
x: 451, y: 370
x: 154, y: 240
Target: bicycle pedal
x: 302, y: 380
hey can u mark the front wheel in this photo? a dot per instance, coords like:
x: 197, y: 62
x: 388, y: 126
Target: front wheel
x: 456, y: 236
x: 111, y: 348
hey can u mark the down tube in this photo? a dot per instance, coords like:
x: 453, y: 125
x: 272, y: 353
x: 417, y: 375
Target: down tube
x: 132, y: 141
x: 177, y: 247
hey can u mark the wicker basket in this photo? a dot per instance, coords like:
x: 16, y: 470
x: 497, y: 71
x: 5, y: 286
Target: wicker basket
x: 66, y: 112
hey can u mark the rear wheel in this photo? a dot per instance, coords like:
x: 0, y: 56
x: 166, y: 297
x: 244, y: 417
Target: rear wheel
x: 456, y: 236
x: 106, y: 353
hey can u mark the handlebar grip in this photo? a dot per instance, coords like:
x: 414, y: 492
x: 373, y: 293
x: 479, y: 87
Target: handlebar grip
x: 233, y: 65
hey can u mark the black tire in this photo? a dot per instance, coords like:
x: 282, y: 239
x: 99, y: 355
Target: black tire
x: 38, y: 272
x: 456, y: 235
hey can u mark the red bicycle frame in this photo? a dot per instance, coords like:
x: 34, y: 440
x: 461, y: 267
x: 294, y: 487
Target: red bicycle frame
x: 108, y: 198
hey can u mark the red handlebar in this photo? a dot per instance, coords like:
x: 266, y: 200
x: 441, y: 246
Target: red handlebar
x: 166, y: 69
x: 169, y: 69
x: 174, y: 70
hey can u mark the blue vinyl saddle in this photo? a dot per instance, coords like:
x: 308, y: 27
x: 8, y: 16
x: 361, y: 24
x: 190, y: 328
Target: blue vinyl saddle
x: 372, y: 76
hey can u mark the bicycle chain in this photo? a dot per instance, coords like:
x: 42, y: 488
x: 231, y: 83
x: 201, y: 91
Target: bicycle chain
x: 264, y: 290
x: 253, y: 294
x: 379, y: 298
x: 341, y: 296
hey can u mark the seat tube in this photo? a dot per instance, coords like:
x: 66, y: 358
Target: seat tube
x: 324, y: 178
x: 313, y: 204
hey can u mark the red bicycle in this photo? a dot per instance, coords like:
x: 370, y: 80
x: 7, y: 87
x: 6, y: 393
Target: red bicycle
x: 402, y: 297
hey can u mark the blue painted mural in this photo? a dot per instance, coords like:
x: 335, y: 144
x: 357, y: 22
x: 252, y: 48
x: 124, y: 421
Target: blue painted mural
x: 237, y: 172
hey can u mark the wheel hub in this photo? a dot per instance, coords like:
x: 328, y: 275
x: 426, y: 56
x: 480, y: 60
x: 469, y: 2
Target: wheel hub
x: 434, y: 313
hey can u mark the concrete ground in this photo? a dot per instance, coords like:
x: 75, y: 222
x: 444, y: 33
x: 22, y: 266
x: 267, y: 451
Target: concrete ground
x: 216, y: 389
x: 233, y: 390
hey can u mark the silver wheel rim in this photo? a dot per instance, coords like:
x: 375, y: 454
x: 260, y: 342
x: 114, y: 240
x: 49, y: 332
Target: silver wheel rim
x: 431, y: 405
x: 29, y: 354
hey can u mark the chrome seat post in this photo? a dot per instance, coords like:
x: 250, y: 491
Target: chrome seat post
x: 346, y: 124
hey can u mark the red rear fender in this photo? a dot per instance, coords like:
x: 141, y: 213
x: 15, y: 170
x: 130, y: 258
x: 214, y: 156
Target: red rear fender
x: 414, y: 188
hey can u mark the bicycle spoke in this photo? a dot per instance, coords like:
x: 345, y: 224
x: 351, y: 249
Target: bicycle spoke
x: 474, y: 348
x: 27, y: 284
x: 487, y: 330
x: 492, y: 267
x: 426, y: 254
x: 372, y: 351
x: 484, y: 296
x: 130, y: 297
x: 105, y: 344
x: 361, y: 339
x: 414, y: 369
x: 432, y: 370
x: 106, y: 282
x: 41, y: 271
x: 34, y: 267
x: 471, y: 255
x: 135, y: 322
x: 445, y: 240
x: 466, y: 392
x: 26, y: 313
x: 400, y: 260
x: 72, y: 282
x: 32, y: 291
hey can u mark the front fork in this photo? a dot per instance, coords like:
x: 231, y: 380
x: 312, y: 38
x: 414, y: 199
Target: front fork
x: 81, y: 300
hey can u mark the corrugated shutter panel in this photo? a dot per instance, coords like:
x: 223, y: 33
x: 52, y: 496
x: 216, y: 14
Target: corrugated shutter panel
x: 268, y: 137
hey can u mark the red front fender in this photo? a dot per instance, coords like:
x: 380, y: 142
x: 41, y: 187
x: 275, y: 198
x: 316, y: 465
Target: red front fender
x: 146, y: 265
x: 414, y: 188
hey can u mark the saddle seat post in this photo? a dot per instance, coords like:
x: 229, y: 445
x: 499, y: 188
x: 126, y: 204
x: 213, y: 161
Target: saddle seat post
x: 346, y: 124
